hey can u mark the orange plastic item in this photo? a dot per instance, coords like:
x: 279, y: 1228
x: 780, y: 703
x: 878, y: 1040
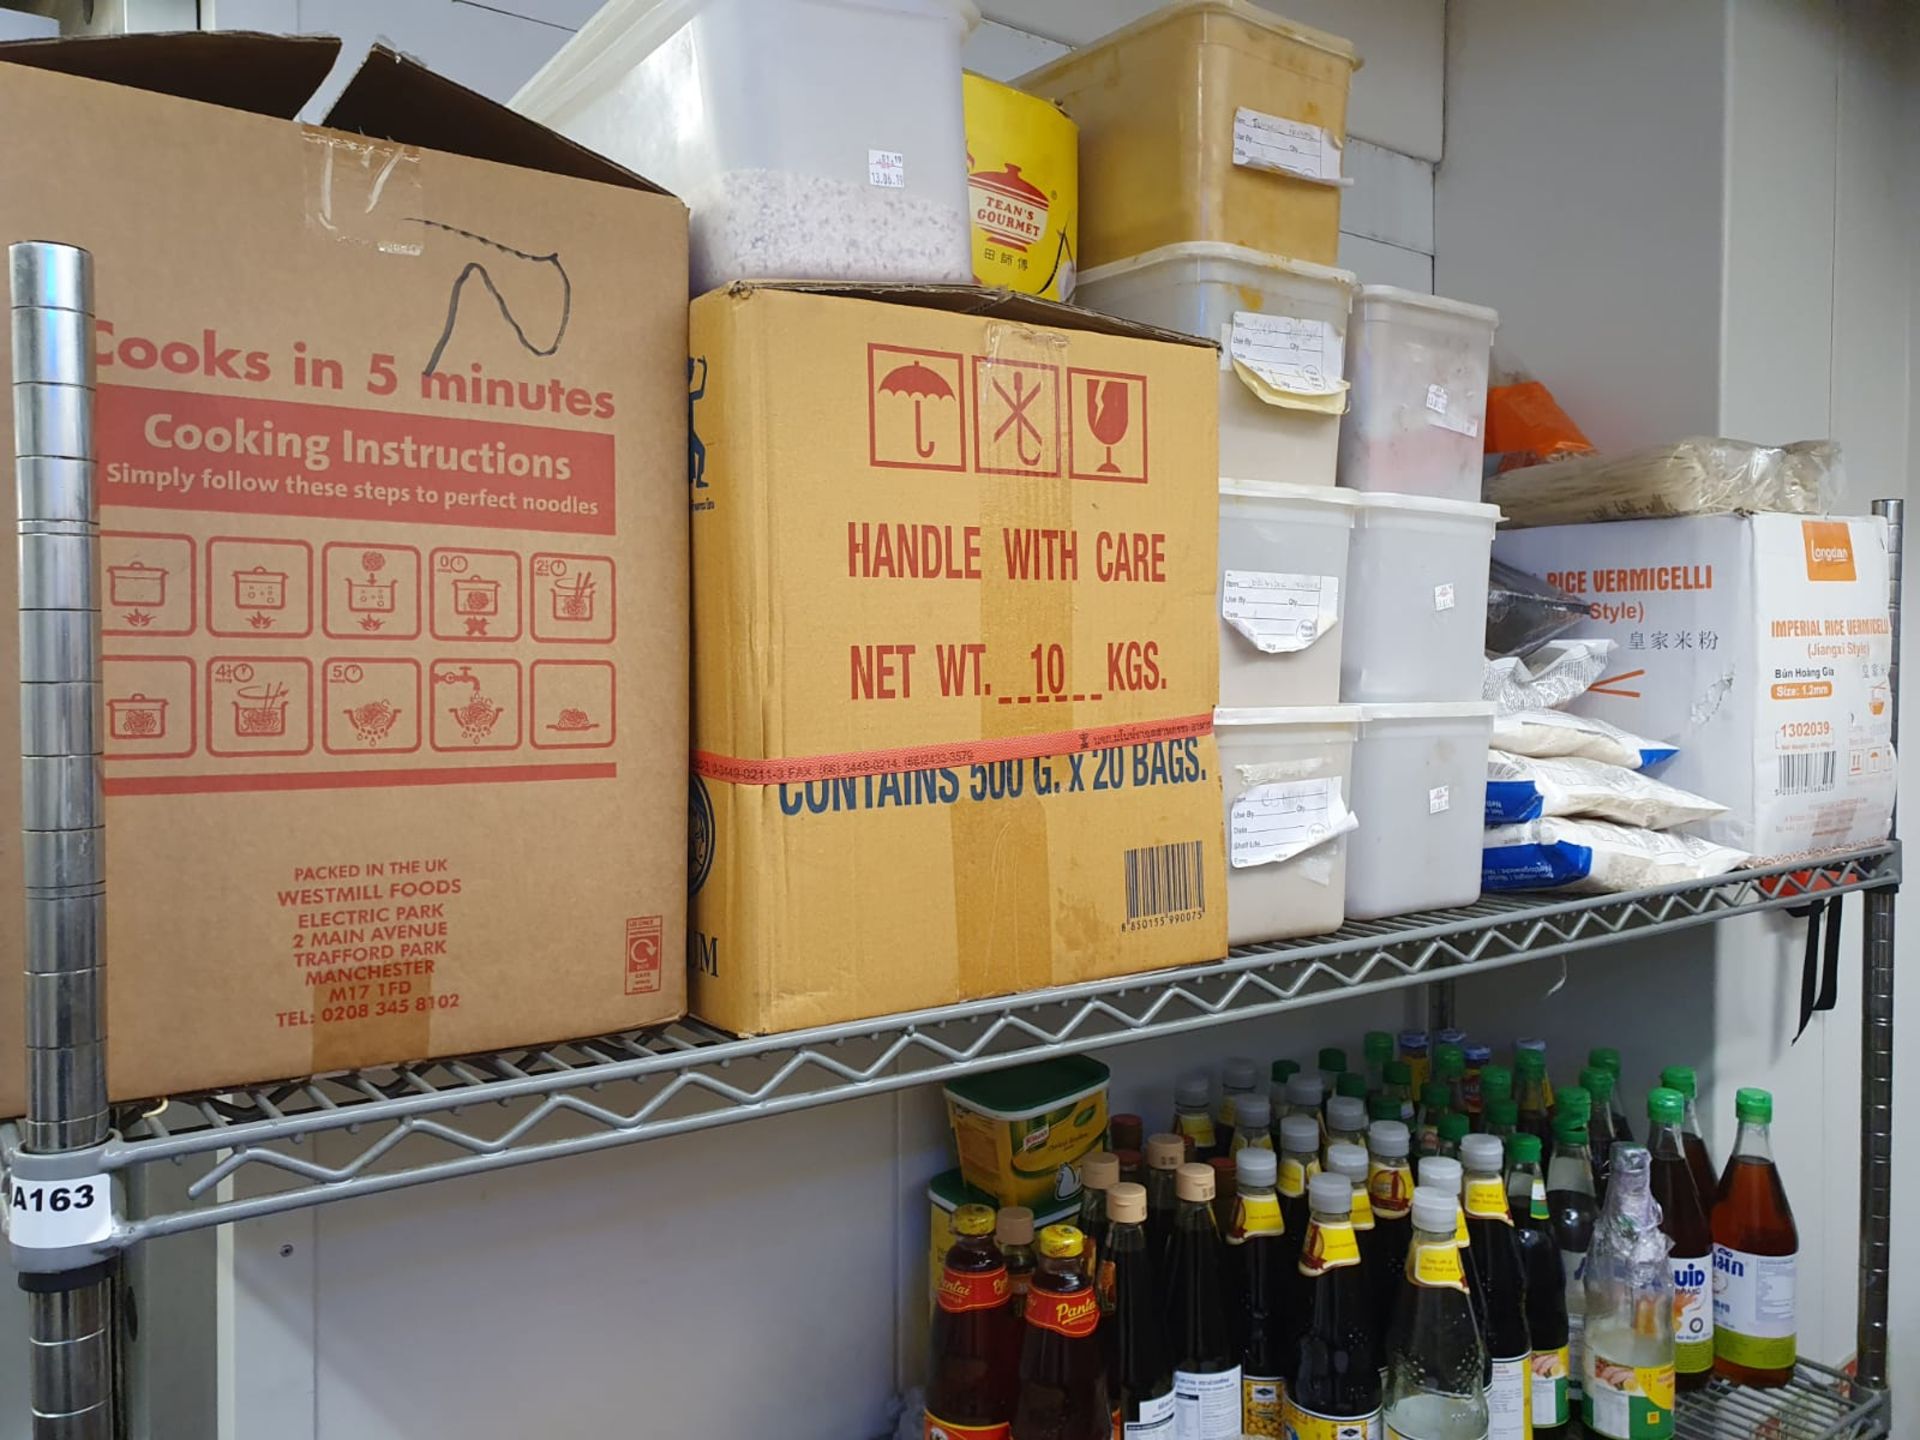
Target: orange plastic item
x: 1527, y: 423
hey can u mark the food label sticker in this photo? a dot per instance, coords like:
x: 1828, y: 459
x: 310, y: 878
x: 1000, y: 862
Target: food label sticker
x: 1692, y: 1314
x: 1753, y: 1308
x: 1207, y: 1407
x: 938, y: 1429
x: 887, y: 169
x: 1436, y: 1264
x: 1155, y: 1422
x: 1487, y: 1200
x: 1300, y: 356
x: 1255, y: 1215
x: 1437, y: 399
x: 1550, y: 1404
x: 1270, y: 824
x: 1443, y: 412
x: 1510, y: 1400
x: 1626, y: 1402
x: 1261, y: 1411
x: 1439, y: 799
x: 1287, y: 147
x: 1328, y: 1247
x: 1391, y: 1188
x: 55, y: 1214
x: 1279, y: 613
x: 1443, y: 596
x: 964, y: 1290
x: 1305, y: 1424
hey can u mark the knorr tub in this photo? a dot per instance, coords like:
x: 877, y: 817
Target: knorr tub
x: 1020, y: 1131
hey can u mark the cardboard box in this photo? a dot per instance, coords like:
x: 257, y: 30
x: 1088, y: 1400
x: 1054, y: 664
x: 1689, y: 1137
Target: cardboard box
x: 954, y: 651
x: 394, y: 590
x: 1761, y: 646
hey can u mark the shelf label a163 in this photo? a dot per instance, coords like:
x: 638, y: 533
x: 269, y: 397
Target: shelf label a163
x: 55, y: 1214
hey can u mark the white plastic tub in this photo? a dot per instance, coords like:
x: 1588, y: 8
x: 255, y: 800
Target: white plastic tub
x: 1282, y: 328
x: 1286, y: 781
x: 1416, y: 616
x: 1281, y: 591
x: 1419, y: 373
x: 1420, y: 790
x: 811, y: 139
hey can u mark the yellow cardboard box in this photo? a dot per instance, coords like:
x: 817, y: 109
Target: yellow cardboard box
x: 954, y: 644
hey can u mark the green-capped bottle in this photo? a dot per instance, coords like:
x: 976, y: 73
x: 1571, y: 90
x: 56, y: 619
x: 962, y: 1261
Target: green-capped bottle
x: 1605, y: 1057
x: 1530, y: 1092
x: 1453, y: 1129
x: 1399, y: 1087
x: 1333, y: 1064
x: 1683, y: 1215
x: 1450, y: 1069
x: 1756, y: 1254
x: 1352, y: 1085
x: 1627, y: 1380
x: 1699, y: 1159
x: 1426, y: 1124
x: 1503, y: 1119
x: 1546, y: 1288
x: 1570, y: 1199
x: 1376, y: 1049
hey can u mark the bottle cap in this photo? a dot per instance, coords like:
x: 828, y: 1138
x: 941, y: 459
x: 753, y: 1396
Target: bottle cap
x: 1166, y: 1152
x: 1753, y: 1106
x: 1127, y: 1203
x: 1348, y: 1160
x: 1126, y: 1131
x: 1388, y: 1139
x: 1504, y: 1113
x: 1597, y: 1080
x: 1299, y: 1134
x: 1192, y: 1091
x: 1013, y: 1225
x: 1453, y: 1126
x: 1413, y: 1042
x: 1309, y: 1091
x: 1483, y: 1152
x: 1525, y: 1150
x: 1352, y: 1084
x: 1682, y: 1078
x: 1333, y: 1059
x: 1346, y: 1113
x: 1377, y: 1046
x: 1435, y: 1211
x: 1130, y: 1161
x: 1330, y: 1194
x: 1383, y: 1107
x: 1398, y: 1072
x: 1452, y: 1035
x: 972, y: 1220
x: 1570, y: 1129
x: 1193, y: 1182
x: 1530, y: 1063
x: 1665, y: 1106
x: 1239, y: 1073
x: 1573, y: 1100
x: 1434, y: 1095
x: 1252, y: 1112
x: 1061, y: 1242
x: 1496, y: 1083
x: 1280, y: 1070
x: 1605, y: 1057
x: 1478, y: 1056
x: 1100, y: 1170
x: 1440, y: 1171
x: 1258, y: 1169
x: 1450, y: 1062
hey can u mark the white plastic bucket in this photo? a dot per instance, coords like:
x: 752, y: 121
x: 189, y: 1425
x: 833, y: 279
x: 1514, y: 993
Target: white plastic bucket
x: 1280, y: 593
x: 1416, y: 610
x: 1286, y: 775
x: 811, y: 139
x: 1419, y: 373
x: 1285, y: 321
x: 1420, y: 790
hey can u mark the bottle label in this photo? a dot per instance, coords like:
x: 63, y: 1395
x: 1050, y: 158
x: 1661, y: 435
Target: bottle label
x: 1262, y: 1409
x: 1294, y: 1175
x: 937, y: 1429
x: 1207, y: 1407
x: 1072, y: 1313
x: 1576, y: 1352
x: 1362, y: 1208
x: 1460, y: 1236
x: 964, y: 1290
x: 1196, y: 1127
x: 1223, y: 1112
x: 1393, y: 1434
x: 1550, y: 1402
x: 1692, y: 1315
x: 1303, y: 1424
x: 1436, y: 1264
x: 1391, y: 1187
x: 1625, y: 1402
x: 1259, y: 1140
x: 1156, y: 1420
x: 1328, y: 1247
x: 1753, y: 1308
x: 1255, y: 1215
x: 1510, y: 1400
x: 1537, y: 1201
x: 1487, y: 1200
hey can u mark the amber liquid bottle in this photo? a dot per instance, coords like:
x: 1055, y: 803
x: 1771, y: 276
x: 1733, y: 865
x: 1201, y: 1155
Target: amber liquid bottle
x: 1333, y: 1375
x: 1699, y: 1159
x: 1683, y: 1216
x: 1013, y: 1234
x: 1756, y: 1251
x: 1165, y: 1155
x: 1546, y: 1289
x: 1134, y: 1331
x: 1530, y: 1093
x: 1063, y: 1374
x: 976, y: 1336
x: 1206, y: 1368
x: 1099, y: 1173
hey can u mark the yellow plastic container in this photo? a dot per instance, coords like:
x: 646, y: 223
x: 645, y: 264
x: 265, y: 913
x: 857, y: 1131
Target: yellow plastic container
x: 1023, y: 189
x: 1205, y: 121
x: 1020, y: 1131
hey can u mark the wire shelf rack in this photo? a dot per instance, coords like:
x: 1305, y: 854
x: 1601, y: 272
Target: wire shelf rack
x: 1818, y: 1404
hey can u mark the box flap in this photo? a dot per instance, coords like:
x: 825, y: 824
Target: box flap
x: 261, y: 74
x: 980, y: 300
x: 394, y: 98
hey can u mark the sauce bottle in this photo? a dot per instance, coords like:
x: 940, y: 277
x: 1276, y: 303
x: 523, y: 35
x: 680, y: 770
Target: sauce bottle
x: 1165, y: 1155
x: 1683, y: 1215
x: 1333, y: 1064
x: 1399, y: 1087
x: 1125, y: 1131
x: 1390, y: 1187
x: 1299, y: 1163
x: 1546, y: 1288
x: 1382, y: 1107
x: 1099, y: 1173
x: 1381, y: 1270
x: 1479, y: 1057
x: 1376, y: 1049
x: 1453, y: 1130
x: 1133, y: 1167
x: 1605, y: 1057
x: 1306, y: 1095
x: 1253, y: 1123
x: 1346, y: 1122
x: 1226, y: 1174
x: 1442, y: 1172
x: 1573, y: 1208
x: 1756, y: 1249
x: 1535, y: 1046
x: 1627, y: 1385
x: 1333, y: 1375
x: 1426, y: 1124
x: 1497, y: 1262
x: 1435, y: 1361
x: 1063, y: 1372
x: 1413, y: 1054
x: 1495, y: 1085
x: 1353, y: 1085
x: 1258, y: 1252
x: 976, y: 1337
x: 1450, y: 1069
x: 1139, y: 1365
x: 1530, y: 1092
x: 1013, y: 1233
x: 1601, y: 1125
x: 1192, y: 1120
x: 1575, y: 1102
x: 1699, y: 1157
x: 1206, y: 1372
x: 1502, y: 1118
x: 1278, y: 1073
x: 1238, y: 1076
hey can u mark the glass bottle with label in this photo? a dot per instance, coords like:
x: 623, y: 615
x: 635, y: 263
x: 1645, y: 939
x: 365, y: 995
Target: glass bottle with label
x: 1450, y: 1069
x: 1443, y: 1172
x: 1353, y: 1085
x: 976, y: 1337
x: 1535, y: 1046
x: 1206, y: 1372
x: 1399, y: 1085
x: 1307, y: 1095
x: 1346, y: 1122
x: 1699, y: 1158
x: 1496, y: 1085
x: 1063, y: 1372
x: 1546, y: 1288
x: 1683, y: 1215
x: 1413, y: 1054
x: 1575, y: 1103
x: 1253, y: 1123
x: 1333, y: 1375
x: 1139, y: 1364
x: 1453, y: 1129
x: 1333, y: 1064
x: 1226, y: 1173
x: 1099, y: 1173
x: 1192, y: 1119
x: 1238, y: 1076
x: 1605, y: 1057
x: 1627, y: 1383
x: 1530, y: 1092
x: 1299, y: 1163
x: 1390, y: 1186
x: 1756, y: 1251
x: 1258, y: 1251
x: 1382, y: 1273
x: 1376, y: 1049
x: 1503, y: 1118
x: 1597, y: 1081
x: 1165, y: 1155
x: 1571, y: 1202
x: 1013, y: 1233
x: 1479, y: 1057
x: 1496, y: 1260
x: 1435, y: 1360
x: 1426, y: 1124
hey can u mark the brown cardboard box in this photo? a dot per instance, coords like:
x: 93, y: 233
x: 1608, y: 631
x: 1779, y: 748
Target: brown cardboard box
x: 954, y: 651
x: 394, y: 554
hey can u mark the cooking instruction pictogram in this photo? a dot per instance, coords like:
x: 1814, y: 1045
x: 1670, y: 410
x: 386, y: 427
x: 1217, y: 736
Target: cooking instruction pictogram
x: 259, y: 705
x: 371, y: 590
x: 572, y: 704
x: 261, y: 587
x: 475, y: 594
x: 370, y: 705
x: 475, y: 704
x: 149, y: 583
x: 572, y: 601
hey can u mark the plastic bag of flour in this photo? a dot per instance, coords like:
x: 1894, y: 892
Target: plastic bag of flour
x: 1521, y: 788
x: 1597, y: 857
x: 1544, y: 734
x: 1553, y: 675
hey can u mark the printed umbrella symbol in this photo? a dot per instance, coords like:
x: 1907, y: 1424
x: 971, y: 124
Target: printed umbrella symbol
x: 922, y: 384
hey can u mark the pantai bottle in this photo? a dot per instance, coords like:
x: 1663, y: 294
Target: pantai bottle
x: 1258, y: 1250
x: 1013, y: 1233
x: 1099, y: 1173
x: 1333, y: 1375
x: 976, y: 1337
x: 1139, y: 1365
x: 1206, y: 1370
x: 1546, y: 1288
x: 1699, y: 1158
x: 1063, y: 1372
x: 1390, y: 1187
x: 1253, y: 1123
x: 1683, y: 1215
x: 1605, y: 1057
x: 1165, y: 1155
x: 1497, y: 1262
x: 1435, y: 1360
x: 1570, y: 1199
x: 1628, y: 1381
x: 1192, y: 1120
x: 1756, y: 1252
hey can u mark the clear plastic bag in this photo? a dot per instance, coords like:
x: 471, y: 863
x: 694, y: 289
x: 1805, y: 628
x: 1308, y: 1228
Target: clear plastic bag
x: 1698, y: 476
x: 1558, y: 672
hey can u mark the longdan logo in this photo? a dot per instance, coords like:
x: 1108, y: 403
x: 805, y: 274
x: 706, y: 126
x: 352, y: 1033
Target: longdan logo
x: 1829, y: 546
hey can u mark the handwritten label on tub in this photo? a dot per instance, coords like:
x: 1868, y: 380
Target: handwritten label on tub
x: 1444, y: 412
x: 1272, y: 823
x: 1279, y: 613
x: 1303, y: 357
x: 887, y: 169
x: 1443, y: 597
x: 1289, y: 147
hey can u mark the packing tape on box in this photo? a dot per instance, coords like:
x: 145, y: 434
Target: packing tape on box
x: 365, y: 192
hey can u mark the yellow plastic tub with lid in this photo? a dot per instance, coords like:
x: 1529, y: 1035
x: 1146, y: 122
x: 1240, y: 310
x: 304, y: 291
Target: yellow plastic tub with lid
x: 1207, y: 120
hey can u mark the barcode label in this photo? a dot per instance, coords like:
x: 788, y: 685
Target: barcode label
x: 1803, y: 774
x: 1166, y: 879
